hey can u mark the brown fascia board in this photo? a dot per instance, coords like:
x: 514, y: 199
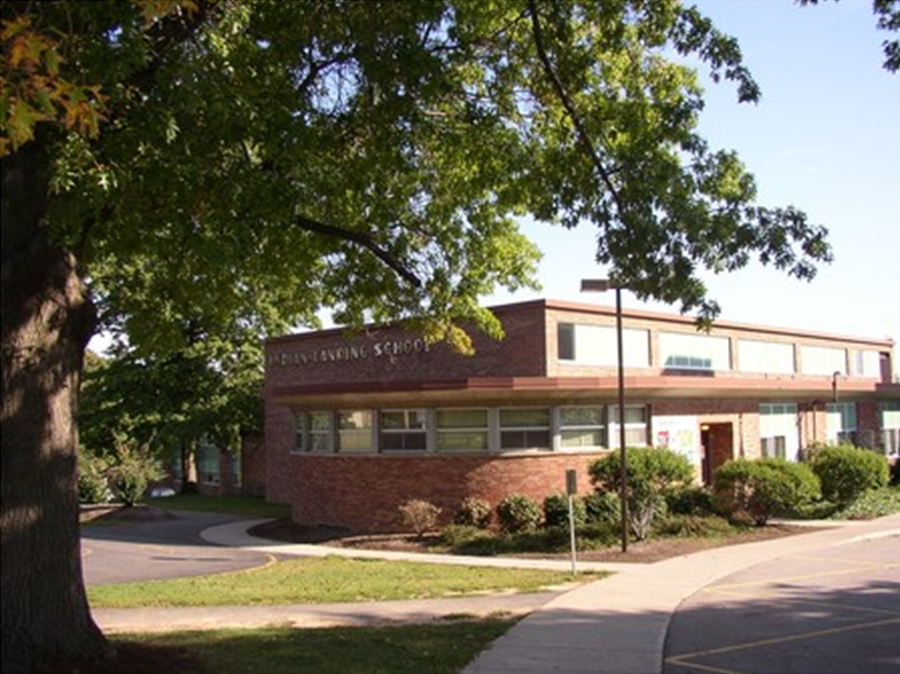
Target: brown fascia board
x: 664, y: 386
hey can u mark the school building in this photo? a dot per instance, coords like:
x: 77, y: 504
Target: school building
x: 358, y: 423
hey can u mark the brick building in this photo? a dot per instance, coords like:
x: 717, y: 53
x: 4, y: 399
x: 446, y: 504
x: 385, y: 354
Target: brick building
x: 358, y: 423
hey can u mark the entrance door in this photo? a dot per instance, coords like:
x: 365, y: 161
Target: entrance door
x: 717, y: 441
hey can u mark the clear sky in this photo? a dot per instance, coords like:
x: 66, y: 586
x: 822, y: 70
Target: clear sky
x: 825, y: 137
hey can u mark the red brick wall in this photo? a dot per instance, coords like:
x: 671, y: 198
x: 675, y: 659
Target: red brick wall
x: 329, y: 357
x: 364, y: 493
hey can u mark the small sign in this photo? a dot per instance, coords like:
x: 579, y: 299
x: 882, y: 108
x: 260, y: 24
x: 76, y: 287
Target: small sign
x: 571, y: 482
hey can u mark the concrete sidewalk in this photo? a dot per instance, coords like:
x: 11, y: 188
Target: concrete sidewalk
x: 614, y: 626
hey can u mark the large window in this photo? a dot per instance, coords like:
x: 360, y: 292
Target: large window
x: 524, y: 428
x: 404, y: 430
x: 768, y: 357
x: 685, y: 351
x: 598, y: 345
x: 582, y: 427
x: 774, y: 447
x: 354, y: 431
x: 462, y: 430
x: 635, y: 426
x: 823, y: 360
x: 890, y: 424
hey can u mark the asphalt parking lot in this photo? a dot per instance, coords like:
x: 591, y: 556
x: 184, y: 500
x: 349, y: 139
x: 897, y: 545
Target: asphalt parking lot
x: 833, y: 611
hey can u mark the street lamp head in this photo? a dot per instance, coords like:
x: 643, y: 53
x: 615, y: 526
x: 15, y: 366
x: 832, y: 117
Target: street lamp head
x: 595, y: 285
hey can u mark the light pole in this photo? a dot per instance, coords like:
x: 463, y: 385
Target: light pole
x: 602, y: 285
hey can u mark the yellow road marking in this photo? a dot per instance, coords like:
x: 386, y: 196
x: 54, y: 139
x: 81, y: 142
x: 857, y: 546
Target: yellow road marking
x: 781, y: 640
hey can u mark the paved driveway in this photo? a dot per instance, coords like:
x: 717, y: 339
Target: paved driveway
x: 168, y: 547
x: 829, y: 611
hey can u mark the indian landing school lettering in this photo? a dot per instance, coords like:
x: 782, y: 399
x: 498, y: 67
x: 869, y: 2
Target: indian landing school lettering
x: 350, y: 352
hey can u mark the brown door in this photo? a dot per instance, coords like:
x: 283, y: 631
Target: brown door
x: 717, y: 441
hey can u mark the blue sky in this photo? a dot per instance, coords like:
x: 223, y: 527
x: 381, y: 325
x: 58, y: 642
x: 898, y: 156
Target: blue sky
x: 826, y: 138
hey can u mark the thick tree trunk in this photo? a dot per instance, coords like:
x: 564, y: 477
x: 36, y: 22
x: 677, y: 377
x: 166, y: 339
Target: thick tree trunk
x: 46, y: 322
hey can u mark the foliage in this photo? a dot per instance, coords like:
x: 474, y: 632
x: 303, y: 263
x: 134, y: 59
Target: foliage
x: 474, y: 512
x: 845, y: 472
x: 420, y: 516
x: 763, y: 488
x: 518, y: 512
x: 871, y: 504
x: 689, y: 500
x: 93, y: 486
x: 603, y: 507
x: 651, y: 472
x: 133, y: 471
x: 693, y: 526
x: 556, y: 511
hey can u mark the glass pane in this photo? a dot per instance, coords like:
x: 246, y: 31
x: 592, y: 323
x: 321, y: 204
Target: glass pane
x: 348, y: 420
x: 585, y: 438
x: 403, y: 441
x: 636, y: 437
x: 565, y: 340
x: 320, y: 421
x: 462, y: 419
x: 462, y: 441
x: 536, y: 417
x: 355, y: 441
x: 581, y: 416
x: 393, y: 419
x: 318, y: 442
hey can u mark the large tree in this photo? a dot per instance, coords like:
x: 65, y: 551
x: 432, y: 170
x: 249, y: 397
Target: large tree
x: 176, y: 171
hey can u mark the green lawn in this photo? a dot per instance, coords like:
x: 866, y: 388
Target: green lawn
x: 441, y: 648
x: 327, y: 580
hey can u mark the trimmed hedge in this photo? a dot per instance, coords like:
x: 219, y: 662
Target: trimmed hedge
x: 846, y: 472
x: 763, y: 488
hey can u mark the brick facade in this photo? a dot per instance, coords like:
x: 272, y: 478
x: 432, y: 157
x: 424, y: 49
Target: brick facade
x: 711, y: 416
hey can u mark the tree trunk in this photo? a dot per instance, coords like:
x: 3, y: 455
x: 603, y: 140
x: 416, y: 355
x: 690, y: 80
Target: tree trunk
x: 46, y: 321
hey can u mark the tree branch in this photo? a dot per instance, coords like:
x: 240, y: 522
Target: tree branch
x: 583, y: 135
x: 363, y: 240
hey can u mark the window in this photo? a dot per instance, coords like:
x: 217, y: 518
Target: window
x: 462, y: 430
x: 565, y: 341
x: 841, y: 422
x: 317, y: 436
x: 598, y: 345
x: 403, y: 430
x: 582, y: 427
x: 694, y: 352
x: 823, y: 360
x: 866, y: 364
x: 635, y: 426
x: 525, y: 428
x: 774, y: 447
x: 208, y: 463
x: 769, y: 357
x: 779, y: 420
x: 354, y: 431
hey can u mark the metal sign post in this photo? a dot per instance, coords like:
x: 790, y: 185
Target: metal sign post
x: 572, y: 490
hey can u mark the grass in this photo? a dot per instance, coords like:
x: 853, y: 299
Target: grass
x: 250, y: 506
x: 443, y: 648
x: 327, y: 580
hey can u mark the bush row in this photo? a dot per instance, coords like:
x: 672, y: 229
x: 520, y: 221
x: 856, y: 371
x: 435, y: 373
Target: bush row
x: 659, y: 489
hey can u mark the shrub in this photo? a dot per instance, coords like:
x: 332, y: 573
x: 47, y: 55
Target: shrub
x: 603, y: 507
x: 518, y: 512
x: 846, y: 472
x: 763, y: 488
x: 556, y: 511
x: 133, y: 471
x: 93, y: 486
x: 689, y: 500
x: 693, y: 526
x: 650, y: 473
x: 420, y: 516
x: 474, y: 512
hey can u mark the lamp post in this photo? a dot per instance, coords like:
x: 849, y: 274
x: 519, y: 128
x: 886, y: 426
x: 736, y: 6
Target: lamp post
x: 602, y: 285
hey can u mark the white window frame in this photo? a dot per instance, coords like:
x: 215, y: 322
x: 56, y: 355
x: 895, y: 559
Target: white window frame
x: 525, y: 430
x: 584, y: 428
x: 406, y: 431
